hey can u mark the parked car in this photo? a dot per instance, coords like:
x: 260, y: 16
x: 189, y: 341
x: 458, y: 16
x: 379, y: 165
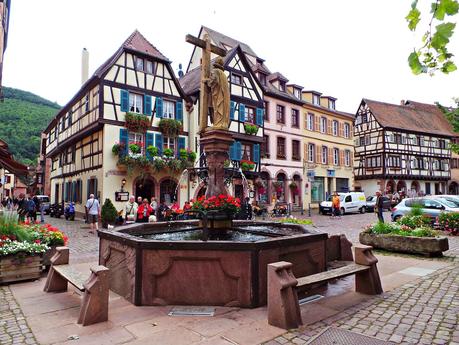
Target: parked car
x: 371, y: 202
x: 349, y: 202
x: 452, y: 198
x: 44, y: 200
x: 431, y: 207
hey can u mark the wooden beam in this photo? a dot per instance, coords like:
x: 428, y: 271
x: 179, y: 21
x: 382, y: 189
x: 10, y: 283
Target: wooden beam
x: 202, y: 44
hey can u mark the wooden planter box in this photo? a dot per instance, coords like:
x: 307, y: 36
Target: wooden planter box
x: 20, y: 267
x: 430, y: 246
x: 46, y: 260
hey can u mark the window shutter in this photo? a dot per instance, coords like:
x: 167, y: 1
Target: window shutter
x: 238, y: 151
x: 65, y: 191
x: 124, y: 139
x: 232, y: 109
x: 80, y: 197
x: 179, y: 113
x: 232, y: 151
x: 341, y: 129
x: 180, y: 145
x: 341, y: 157
x: 316, y: 123
x: 256, y: 153
x: 159, y: 107
x: 74, y: 191
x: 159, y: 143
x: 241, y: 112
x: 259, y: 119
x: 148, y: 142
x: 124, y: 100
x: 330, y: 156
x: 329, y: 127
x: 318, y: 154
x: 147, y: 105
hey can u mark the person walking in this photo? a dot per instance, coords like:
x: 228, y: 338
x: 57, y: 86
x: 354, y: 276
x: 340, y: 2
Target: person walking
x: 336, y: 205
x: 379, y: 206
x: 131, y: 209
x: 21, y: 203
x: 93, y: 211
x: 31, y: 208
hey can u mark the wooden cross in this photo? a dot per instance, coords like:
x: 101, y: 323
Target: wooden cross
x: 207, y: 48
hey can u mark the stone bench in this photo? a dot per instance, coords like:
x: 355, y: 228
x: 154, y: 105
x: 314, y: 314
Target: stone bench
x: 283, y: 286
x: 94, y: 285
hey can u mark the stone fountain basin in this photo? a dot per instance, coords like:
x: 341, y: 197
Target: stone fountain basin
x: 194, y: 272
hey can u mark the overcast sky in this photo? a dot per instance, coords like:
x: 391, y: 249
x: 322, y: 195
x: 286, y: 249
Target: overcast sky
x: 347, y: 49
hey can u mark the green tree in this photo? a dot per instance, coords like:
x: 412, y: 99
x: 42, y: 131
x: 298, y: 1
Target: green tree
x: 433, y: 54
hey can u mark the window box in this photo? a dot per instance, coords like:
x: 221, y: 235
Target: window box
x: 137, y: 122
x: 250, y: 129
x: 170, y: 127
x: 20, y: 267
x: 247, y: 165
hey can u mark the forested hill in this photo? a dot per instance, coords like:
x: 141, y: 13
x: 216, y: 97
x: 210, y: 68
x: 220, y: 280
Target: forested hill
x: 23, y: 116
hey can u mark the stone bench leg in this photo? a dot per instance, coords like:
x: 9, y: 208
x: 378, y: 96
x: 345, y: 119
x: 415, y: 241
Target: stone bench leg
x: 94, y: 306
x: 54, y: 281
x: 283, y: 306
x: 367, y: 282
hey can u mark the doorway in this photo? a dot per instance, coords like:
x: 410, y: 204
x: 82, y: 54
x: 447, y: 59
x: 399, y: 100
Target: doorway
x: 167, y: 190
x: 239, y: 191
x: 145, y: 188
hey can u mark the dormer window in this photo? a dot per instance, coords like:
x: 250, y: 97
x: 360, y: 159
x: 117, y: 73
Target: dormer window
x: 315, y: 99
x: 262, y: 78
x: 138, y: 64
x: 331, y: 104
x: 297, y: 93
x: 282, y: 86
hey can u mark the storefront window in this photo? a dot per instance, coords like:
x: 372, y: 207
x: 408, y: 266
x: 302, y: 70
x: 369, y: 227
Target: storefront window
x: 317, y: 190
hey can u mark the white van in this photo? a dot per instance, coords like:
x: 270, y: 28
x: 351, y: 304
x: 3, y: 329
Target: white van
x: 349, y: 202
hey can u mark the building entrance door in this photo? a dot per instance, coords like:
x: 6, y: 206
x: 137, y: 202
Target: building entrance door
x: 145, y: 188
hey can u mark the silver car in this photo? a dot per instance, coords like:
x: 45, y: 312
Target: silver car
x: 431, y: 207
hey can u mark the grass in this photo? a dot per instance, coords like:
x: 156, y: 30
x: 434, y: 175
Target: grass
x: 296, y: 221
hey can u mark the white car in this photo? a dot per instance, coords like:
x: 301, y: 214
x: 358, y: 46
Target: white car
x: 349, y: 202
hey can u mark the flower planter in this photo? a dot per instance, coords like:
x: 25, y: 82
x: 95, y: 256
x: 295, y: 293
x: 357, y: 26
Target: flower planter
x: 20, y: 267
x: 218, y: 221
x: 430, y: 246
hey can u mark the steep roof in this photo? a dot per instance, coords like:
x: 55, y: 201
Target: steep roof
x: 224, y: 41
x: 7, y: 161
x: 411, y: 116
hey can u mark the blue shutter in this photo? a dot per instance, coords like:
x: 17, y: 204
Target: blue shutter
x: 65, y: 191
x: 124, y: 100
x: 74, y: 188
x: 232, y: 109
x: 159, y: 143
x: 124, y: 139
x: 159, y: 107
x: 259, y: 117
x: 181, y: 143
x: 179, y: 114
x: 241, y: 112
x: 148, y: 142
x: 238, y: 151
x: 256, y: 153
x: 147, y: 104
x: 232, y: 151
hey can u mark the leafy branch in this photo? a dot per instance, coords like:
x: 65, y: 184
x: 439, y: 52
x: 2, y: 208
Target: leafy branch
x: 433, y: 55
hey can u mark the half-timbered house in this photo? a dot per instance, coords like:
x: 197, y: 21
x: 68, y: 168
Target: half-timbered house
x: 95, y: 144
x: 402, y: 147
x: 246, y: 109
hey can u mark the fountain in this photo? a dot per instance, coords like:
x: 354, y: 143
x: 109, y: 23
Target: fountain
x: 213, y: 260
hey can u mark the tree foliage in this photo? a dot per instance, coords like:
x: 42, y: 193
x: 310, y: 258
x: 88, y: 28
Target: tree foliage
x: 433, y: 55
x: 23, y: 116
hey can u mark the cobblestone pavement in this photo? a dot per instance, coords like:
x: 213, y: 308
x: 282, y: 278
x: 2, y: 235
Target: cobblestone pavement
x: 425, y: 311
x: 13, y: 325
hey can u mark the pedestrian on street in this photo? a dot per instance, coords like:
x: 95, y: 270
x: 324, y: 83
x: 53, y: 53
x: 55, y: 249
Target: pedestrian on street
x: 131, y: 210
x: 336, y: 205
x: 379, y: 206
x: 93, y: 211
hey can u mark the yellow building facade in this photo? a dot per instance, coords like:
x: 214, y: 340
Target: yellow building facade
x: 328, y: 148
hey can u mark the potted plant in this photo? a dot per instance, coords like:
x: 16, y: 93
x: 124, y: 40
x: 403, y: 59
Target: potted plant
x: 170, y: 127
x: 137, y: 122
x: 118, y: 148
x: 278, y: 185
x: 168, y: 153
x: 108, y: 213
x: 152, y: 150
x: 250, y: 128
x: 135, y: 148
x: 220, y: 210
x: 293, y: 187
x: 247, y: 165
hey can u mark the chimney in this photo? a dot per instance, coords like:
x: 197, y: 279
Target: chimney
x: 84, y: 66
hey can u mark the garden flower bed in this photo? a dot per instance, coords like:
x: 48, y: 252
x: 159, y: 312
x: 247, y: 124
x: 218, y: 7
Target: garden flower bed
x: 24, y: 246
x: 416, y: 238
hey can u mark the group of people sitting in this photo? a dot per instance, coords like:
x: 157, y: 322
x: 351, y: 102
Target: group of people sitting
x: 145, y: 211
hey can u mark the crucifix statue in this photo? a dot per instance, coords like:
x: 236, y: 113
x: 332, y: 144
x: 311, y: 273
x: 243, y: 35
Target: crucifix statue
x: 214, y: 90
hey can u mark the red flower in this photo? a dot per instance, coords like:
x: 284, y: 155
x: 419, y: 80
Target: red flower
x: 37, y: 241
